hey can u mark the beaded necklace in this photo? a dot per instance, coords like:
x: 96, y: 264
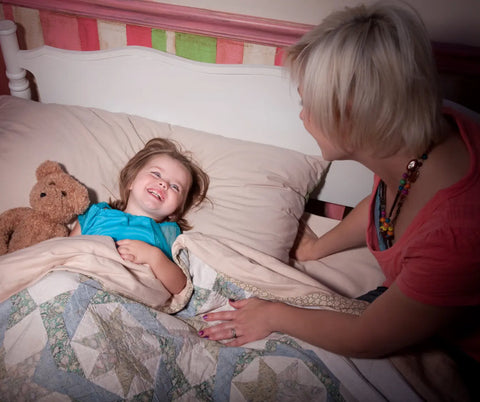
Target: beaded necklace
x: 387, y: 224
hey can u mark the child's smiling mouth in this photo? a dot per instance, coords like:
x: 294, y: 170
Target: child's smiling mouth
x: 158, y: 194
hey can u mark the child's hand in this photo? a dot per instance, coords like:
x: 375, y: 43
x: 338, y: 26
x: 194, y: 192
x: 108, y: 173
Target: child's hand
x: 165, y: 270
x: 137, y: 251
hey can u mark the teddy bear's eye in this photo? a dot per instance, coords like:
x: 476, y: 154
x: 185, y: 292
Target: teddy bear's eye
x: 64, y: 193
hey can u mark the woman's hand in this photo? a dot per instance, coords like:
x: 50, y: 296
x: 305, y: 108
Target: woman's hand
x: 348, y: 233
x: 251, y: 320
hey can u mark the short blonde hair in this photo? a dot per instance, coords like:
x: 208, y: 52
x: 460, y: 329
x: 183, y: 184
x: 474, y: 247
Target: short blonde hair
x: 368, y: 79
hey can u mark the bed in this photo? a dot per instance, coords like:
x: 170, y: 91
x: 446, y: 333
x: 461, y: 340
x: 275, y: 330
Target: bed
x: 83, y: 326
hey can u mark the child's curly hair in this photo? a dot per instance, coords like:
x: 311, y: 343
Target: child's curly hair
x: 161, y: 146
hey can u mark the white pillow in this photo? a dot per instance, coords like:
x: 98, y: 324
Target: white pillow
x: 257, y: 192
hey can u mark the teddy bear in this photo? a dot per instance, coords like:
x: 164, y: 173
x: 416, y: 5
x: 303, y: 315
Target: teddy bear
x: 55, y: 200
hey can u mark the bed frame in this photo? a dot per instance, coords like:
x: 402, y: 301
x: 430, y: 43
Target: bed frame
x: 249, y: 102
x: 273, y: 103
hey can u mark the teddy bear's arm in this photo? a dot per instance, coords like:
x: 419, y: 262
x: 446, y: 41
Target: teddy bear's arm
x: 60, y: 231
x: 9, y: 220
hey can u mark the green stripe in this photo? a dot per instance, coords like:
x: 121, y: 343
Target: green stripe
x: 196, y: 47
x: 159, y: 39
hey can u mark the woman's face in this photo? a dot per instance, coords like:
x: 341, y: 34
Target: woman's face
x: 330, y: 151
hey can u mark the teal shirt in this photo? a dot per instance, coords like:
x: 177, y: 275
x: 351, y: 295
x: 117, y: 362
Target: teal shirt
x: 101, y: 219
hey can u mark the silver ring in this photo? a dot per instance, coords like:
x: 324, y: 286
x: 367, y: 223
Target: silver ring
x: 234, y: 333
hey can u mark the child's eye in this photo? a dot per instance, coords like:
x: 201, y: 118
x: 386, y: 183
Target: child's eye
x: 175, y: 187
x: 157, y: 174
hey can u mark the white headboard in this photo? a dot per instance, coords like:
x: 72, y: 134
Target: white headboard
x: 250, y: 102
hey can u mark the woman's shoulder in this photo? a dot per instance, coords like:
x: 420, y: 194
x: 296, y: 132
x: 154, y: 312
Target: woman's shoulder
x: 467, y: 121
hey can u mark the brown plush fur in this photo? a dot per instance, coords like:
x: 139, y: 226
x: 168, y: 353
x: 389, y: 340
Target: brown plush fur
x: 55, y: 200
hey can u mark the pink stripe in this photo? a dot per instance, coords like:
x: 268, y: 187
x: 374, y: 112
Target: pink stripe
x: 4, y: 90
x: 60, y: 31
x: 139, y: 36
x: 88, y: 33
x: 178, y: 18
x: 8, y: 12
x: 279, y: 54
x: 229, y: 51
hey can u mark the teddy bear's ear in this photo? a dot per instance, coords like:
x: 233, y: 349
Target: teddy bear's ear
x: 48, y: 167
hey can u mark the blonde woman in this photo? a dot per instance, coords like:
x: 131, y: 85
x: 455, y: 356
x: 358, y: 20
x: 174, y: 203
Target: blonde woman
x: 367, y: 82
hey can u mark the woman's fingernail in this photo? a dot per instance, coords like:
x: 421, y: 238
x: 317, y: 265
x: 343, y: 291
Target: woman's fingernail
x: 205, y: 316
x: 232, y: 300
x: 200, y: 333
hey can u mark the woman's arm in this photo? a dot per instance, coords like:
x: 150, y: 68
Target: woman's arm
x: 389, y: 324
x: 349, y: 233
x: 165, y: 270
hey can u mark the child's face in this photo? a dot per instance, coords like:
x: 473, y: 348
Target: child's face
x: 159, y: 189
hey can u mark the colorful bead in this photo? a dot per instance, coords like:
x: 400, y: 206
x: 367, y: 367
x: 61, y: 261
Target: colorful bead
x: 386, y: 224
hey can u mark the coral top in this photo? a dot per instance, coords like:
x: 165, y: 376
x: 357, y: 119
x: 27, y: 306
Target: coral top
x: 437, y: 259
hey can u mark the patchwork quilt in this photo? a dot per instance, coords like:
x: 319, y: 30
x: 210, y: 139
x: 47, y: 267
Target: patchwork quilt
x: 71, y: 335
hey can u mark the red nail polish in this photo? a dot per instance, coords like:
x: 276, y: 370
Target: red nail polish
x: 205, y: 316
x: 200, y: 333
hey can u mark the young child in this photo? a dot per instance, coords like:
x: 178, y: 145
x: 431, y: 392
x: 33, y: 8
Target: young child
x: 157, y: 188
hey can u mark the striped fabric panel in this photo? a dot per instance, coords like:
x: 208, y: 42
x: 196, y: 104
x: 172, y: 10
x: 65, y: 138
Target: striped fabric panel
x: 6, y: 12
x: 229, y: 51
x: 138, y: 36
x: 196, y: 47
x: 31, y: 36
x: 78, y: 33
x: 88, y: 34
x: 111, y: 34
x: 60, y: 30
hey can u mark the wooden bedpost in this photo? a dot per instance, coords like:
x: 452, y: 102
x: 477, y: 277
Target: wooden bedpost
x: 18, y: 83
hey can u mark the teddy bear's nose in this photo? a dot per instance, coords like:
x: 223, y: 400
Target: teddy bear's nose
x: 43, y: 195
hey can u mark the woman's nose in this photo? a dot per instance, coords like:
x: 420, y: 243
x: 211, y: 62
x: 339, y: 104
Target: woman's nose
x: 302, y: 114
